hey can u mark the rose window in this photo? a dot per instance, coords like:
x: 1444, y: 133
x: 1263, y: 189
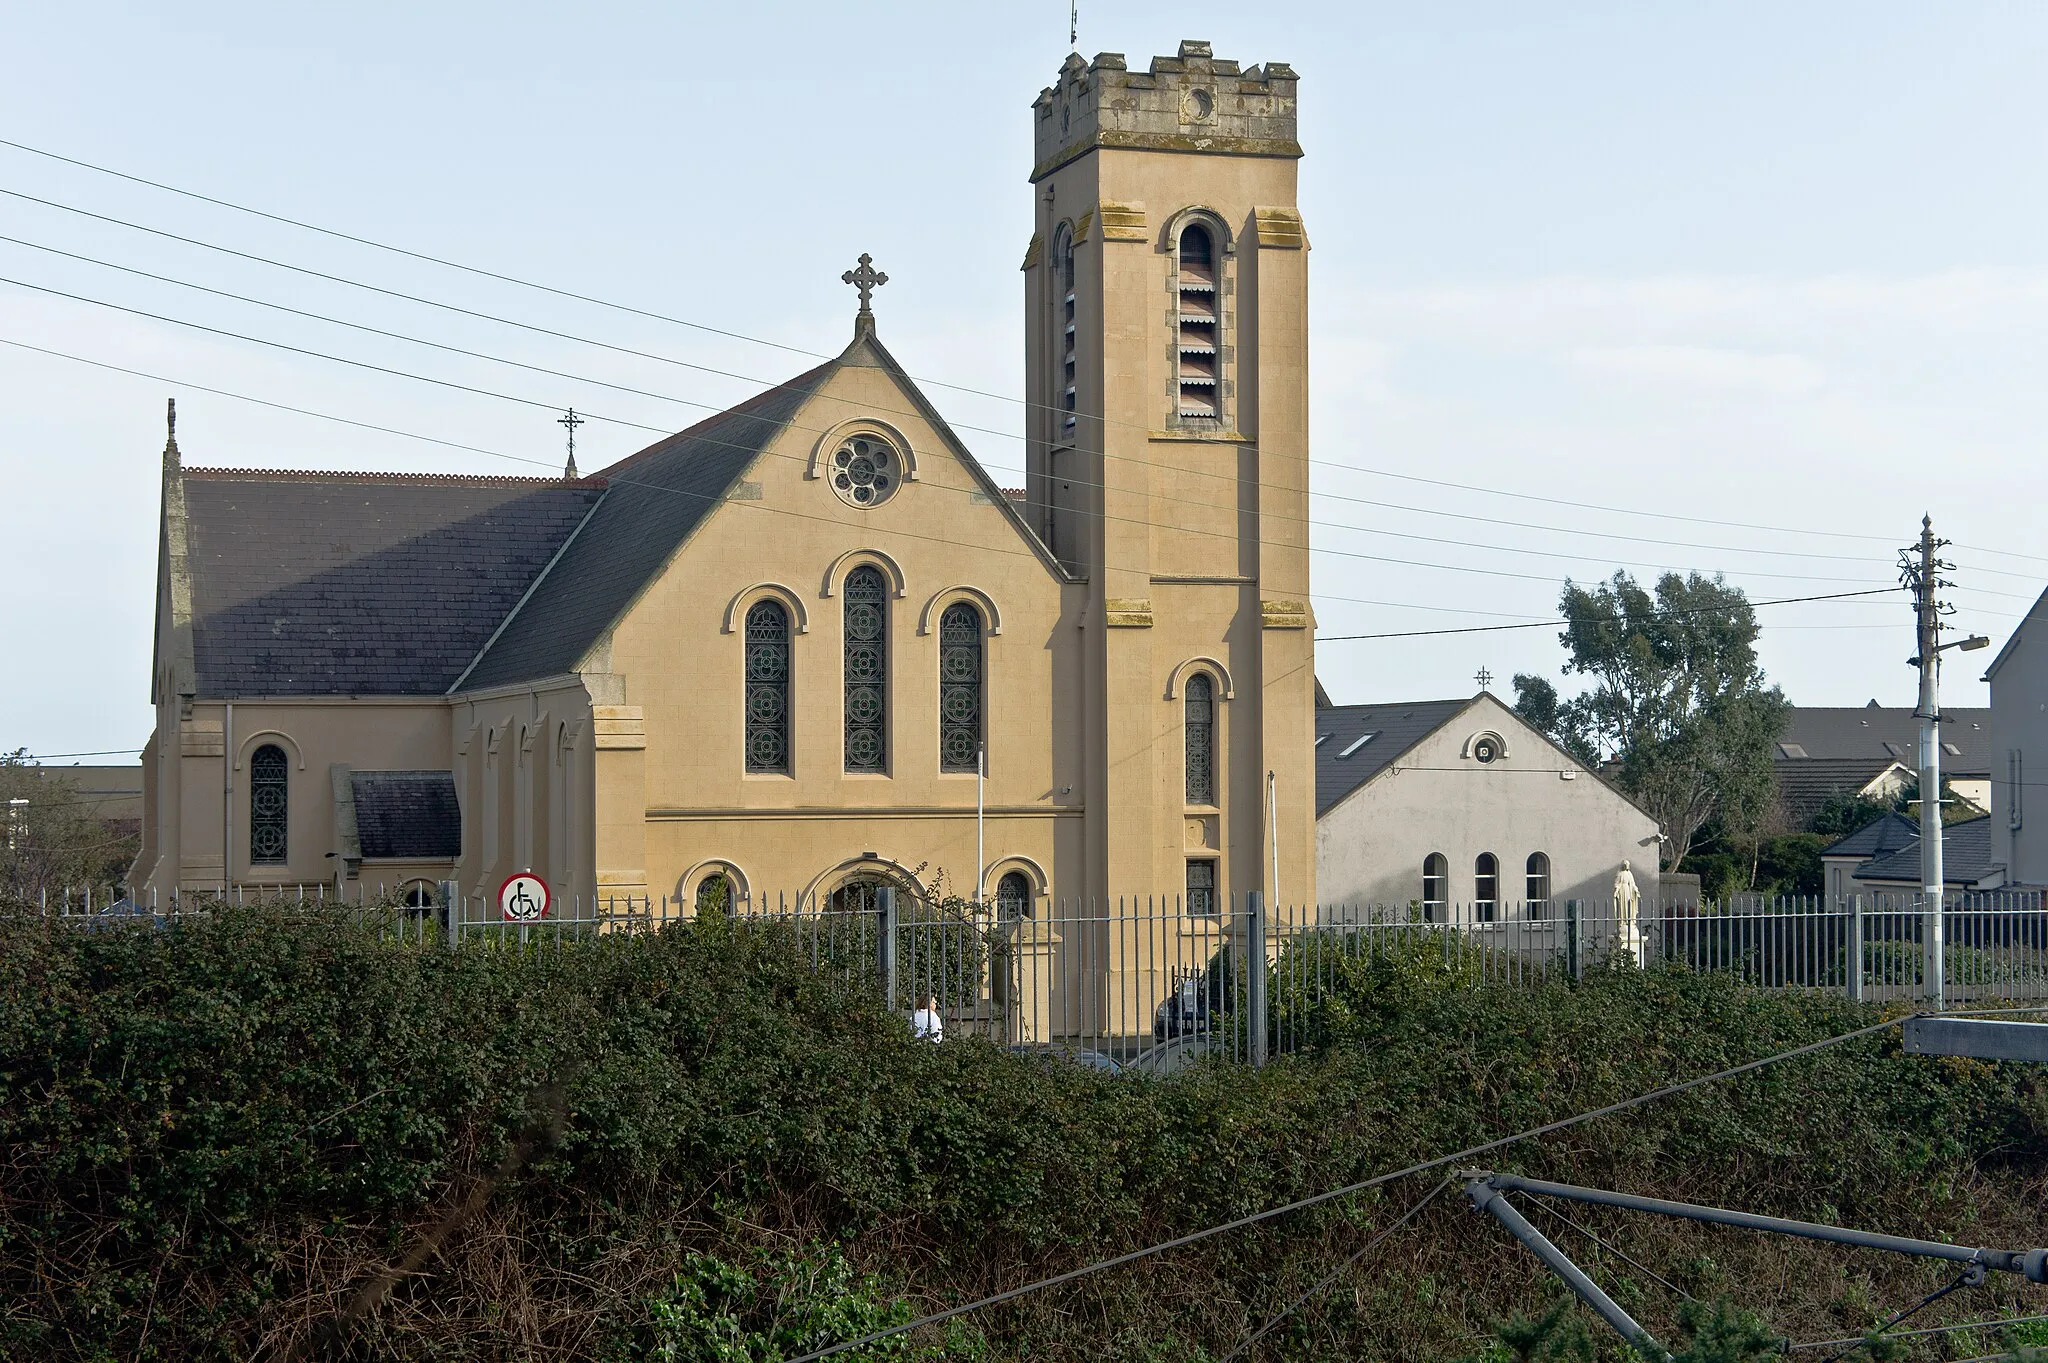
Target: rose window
x: 865, y: 470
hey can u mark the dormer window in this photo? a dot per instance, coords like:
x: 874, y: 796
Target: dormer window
x: 1200, y: 325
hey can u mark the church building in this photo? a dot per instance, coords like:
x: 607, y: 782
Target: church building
x: 810, y: 641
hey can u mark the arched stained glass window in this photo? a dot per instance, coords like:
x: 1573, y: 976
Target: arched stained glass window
x: 1199, y: 721
x: 1486, y: 887
x: 1539, y: 885
x: 960, y: 688
x: 768, y: 687
x: 715, y: 895
x: 867, y: 671
x: 1013, y: 896
x: 1436, y: 887
x: 269, y: 805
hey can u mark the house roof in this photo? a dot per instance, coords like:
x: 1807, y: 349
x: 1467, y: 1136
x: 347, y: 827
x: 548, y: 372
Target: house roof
x: 1965, y: 857
x: 1343, y: 764
x: 1805, y: 784
x: 1876, y: 838
x: 411, y: 814
x: 1881, y: 733
x: 653, y: 500
x: 359, y: 584
x: 2040, y: 602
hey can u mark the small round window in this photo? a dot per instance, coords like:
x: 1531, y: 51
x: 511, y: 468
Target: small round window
x: 865, y: 470
x: 1485, y: 748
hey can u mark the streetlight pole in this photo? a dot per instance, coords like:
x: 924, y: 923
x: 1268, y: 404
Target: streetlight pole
x: 1921, y: 571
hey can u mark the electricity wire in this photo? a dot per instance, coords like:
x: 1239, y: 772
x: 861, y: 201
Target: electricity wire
x: 1929, y: 1330
x: 1323, y: 1284
x: 714, y: 409
x: 768, y: 385
x: 962, y: 388
x: 1317, y: 1199
x: 1971, y: 1275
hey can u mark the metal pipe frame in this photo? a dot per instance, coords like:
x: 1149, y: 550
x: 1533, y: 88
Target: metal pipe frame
x: 1485, y: 1191
x: 2031, y: 1264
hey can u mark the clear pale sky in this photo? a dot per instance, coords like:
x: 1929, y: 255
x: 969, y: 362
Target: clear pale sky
x: 1775, y: 264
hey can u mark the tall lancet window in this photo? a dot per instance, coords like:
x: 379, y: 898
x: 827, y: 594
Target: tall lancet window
x: 1199, y: 723
x: 269, y: 804
x: 768, y: 687
x: 960, y: 690
x: 1201, y: 325
x: 1063, y: 273
x: 867, y: 671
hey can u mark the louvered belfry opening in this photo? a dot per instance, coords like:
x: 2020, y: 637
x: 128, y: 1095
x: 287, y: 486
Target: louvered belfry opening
x: 1200, y: 315
x: 1063, y: 253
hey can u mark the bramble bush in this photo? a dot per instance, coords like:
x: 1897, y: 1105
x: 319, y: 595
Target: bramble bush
x: 216, y: 1136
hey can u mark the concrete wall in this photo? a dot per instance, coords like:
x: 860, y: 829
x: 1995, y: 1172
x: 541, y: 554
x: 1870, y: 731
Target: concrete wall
x: 2019, y: 752
x: 1370, y: 847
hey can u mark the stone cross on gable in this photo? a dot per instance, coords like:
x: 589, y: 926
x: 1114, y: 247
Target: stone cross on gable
x: 1484, y: 678
x: 866, y: 278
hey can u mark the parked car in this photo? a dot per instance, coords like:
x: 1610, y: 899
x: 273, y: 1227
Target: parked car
x: 1184, y: 1012
x: 1087, y: 1059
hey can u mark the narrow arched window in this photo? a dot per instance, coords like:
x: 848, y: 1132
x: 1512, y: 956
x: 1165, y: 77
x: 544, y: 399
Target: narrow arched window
x: 1538, y: 889
x: 961, y: 732
x: 1436, y: 887
x: 269, y: 805
x: 1013, y: 896
x: 768, y: 687
x: 867, y: 671
x: 715, y: 895
x: 1199, y: 722
x: 1200, y: 325
x: 1067, y: 341
x: 1486, y: 887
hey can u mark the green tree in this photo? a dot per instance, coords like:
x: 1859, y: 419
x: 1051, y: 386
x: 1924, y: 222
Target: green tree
x: 1677, y: 702
x: 51, y: 839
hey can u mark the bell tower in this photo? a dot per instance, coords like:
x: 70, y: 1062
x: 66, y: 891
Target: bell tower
x: 1166, y: 295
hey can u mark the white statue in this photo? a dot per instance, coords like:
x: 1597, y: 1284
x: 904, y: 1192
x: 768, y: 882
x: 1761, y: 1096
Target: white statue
x: 1628, y: 899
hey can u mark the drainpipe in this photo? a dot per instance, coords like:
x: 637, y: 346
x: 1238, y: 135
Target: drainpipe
x: 227, y: 797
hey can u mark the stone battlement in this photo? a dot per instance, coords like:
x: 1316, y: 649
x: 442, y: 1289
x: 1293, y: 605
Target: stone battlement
x: 1189, y: 102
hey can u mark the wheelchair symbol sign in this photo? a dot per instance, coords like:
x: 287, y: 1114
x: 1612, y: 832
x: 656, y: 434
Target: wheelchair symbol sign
x: 523, y: 898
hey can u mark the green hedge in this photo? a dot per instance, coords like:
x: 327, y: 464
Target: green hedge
x: 215, y: 1135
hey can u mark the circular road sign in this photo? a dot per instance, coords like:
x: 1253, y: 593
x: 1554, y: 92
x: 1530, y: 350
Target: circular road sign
x: 523, y: 898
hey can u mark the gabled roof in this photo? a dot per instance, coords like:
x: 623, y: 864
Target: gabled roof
x: 1876, y: 838
x: 1965, y: 857
x: 1343, y: 764
x: 358, y: 584
x: 653, y: 500
x: 2040, y: 604
x: 656, y: 499
x: 1880, y: 733
x: 1805, y: 784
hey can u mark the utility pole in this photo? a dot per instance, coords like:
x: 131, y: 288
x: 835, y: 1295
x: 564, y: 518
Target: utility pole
x: 1920, y: 571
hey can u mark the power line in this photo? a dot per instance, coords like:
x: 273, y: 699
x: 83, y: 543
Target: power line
x: 767, y: 384
x: 1558, y: 624
x: 533, y: 402
x: 962, y: 388
x: 713, y: 408
x: 1317, y: 1199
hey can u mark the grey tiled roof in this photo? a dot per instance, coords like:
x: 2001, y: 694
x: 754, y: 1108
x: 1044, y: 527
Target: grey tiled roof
x: 1394, y: 728
x: 407, y: 814
x: 1877, y: 838
x: 1885, y: 733
x: 1965, y: 856
x: 1805, y: 784
x: 653, y: 501
x: 352, y: 584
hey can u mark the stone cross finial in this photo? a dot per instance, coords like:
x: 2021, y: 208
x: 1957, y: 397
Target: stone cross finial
x: 866, y: 278
x: 171, y: 457
x: 571, y: 421
x: 1484, y: 678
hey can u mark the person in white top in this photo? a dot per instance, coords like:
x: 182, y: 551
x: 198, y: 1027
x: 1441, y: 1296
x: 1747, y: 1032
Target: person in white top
x: 925, y: 1023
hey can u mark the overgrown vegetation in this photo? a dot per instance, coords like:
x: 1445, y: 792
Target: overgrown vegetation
x: 52, y: 841
x: 267, y: 1135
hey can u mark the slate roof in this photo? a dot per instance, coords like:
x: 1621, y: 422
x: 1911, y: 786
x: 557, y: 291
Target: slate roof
x: 1885, y: 733
x: 1394, y: 728
x: 1877, y: 838
x: 1965, y: 857
x: 654, y: 499
x: 360, y: 584
x: 407, y: 814
x: 1805, y: 784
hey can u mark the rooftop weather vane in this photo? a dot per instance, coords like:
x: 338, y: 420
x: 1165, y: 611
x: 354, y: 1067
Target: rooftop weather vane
x: 1074, y: 24
x: 1484, y: 678
x: 572, y: 421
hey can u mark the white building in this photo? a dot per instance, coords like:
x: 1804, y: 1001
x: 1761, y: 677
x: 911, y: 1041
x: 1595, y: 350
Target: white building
x: 2019, y: 750
x: 1461, y: 803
